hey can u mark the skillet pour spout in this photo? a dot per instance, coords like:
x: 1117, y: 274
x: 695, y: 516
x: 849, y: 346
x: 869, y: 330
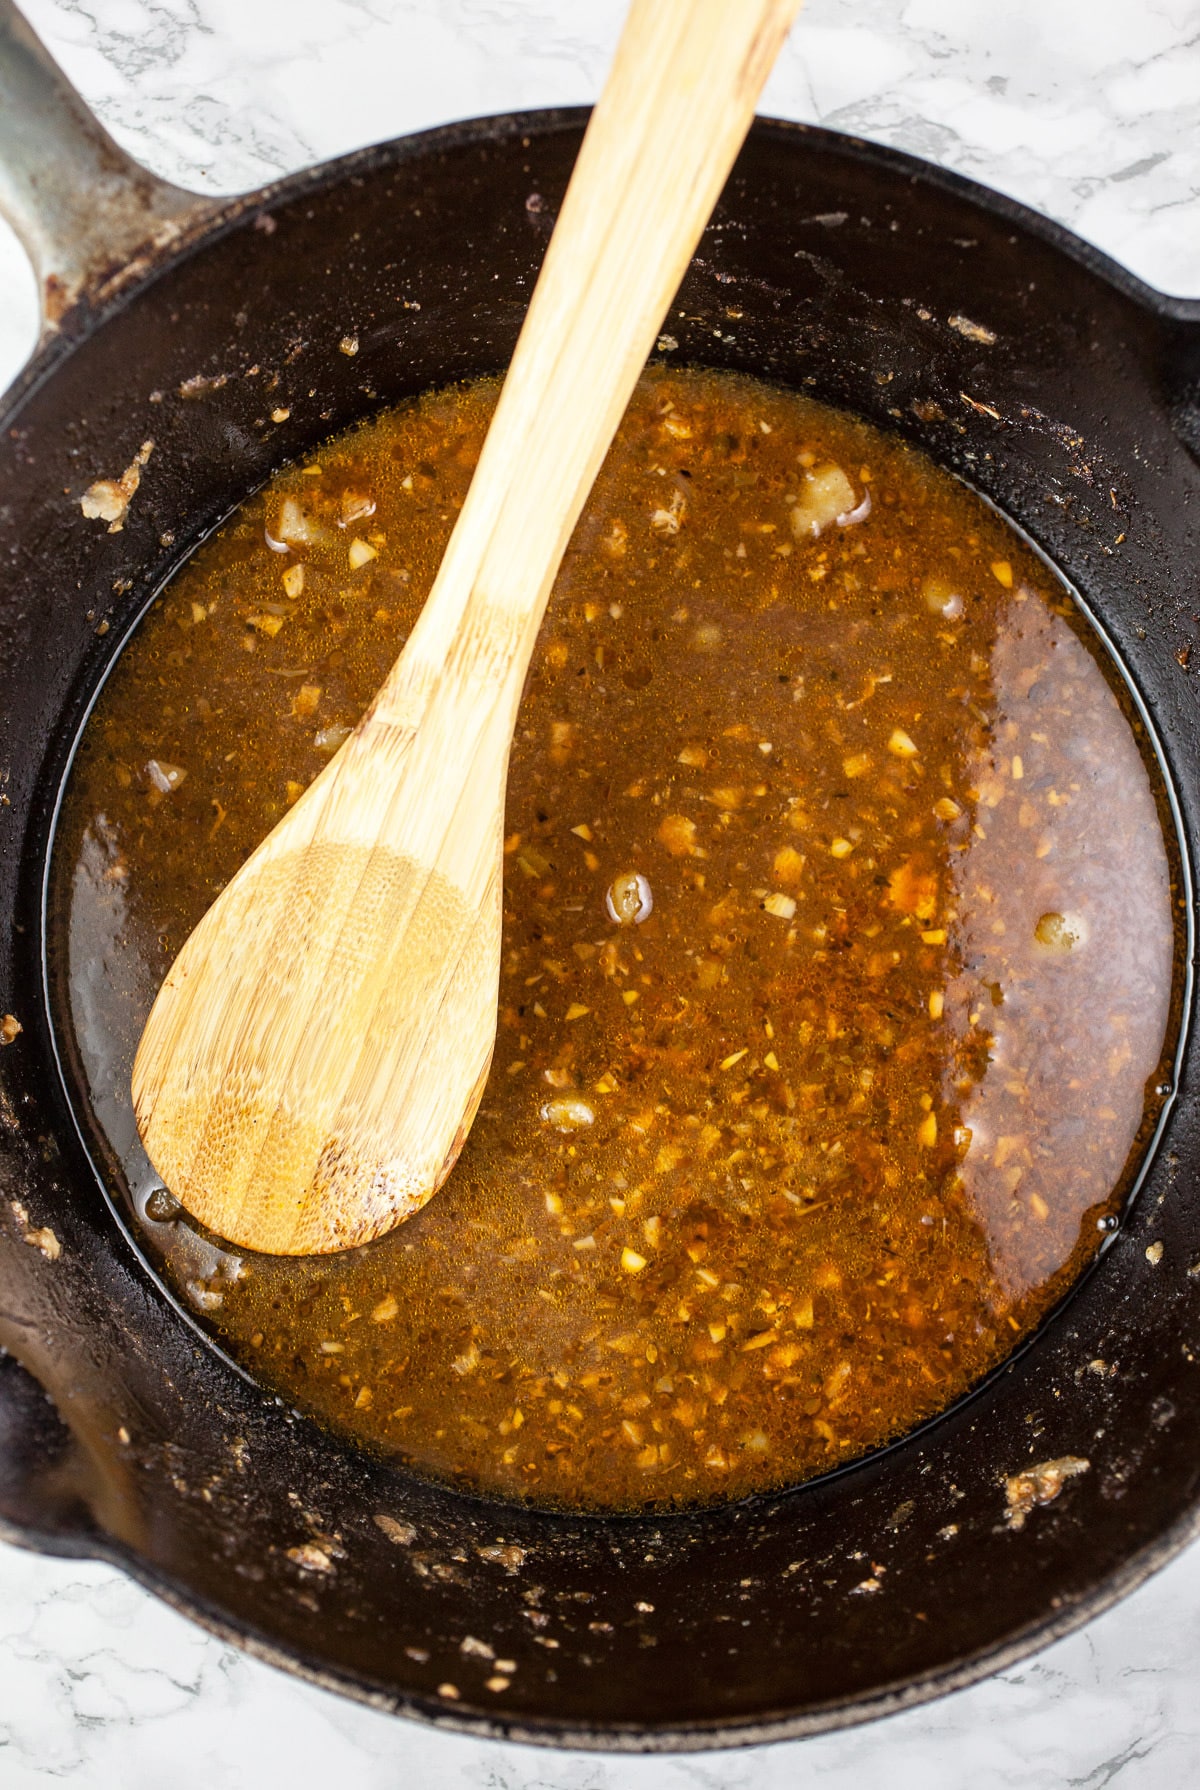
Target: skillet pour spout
x: 1073, y: 403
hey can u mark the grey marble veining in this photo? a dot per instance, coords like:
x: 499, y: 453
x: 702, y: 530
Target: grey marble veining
x: 1087, y: 109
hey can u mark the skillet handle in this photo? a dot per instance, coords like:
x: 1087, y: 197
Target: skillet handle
x: 82, y: 208
x: 43, y: 1496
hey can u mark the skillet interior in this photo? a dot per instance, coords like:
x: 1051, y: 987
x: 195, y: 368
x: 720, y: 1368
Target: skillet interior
x: 830, y: 265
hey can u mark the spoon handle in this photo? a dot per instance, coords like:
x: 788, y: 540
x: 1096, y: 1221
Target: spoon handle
x: 674, y: 112
x: 318, y: 1051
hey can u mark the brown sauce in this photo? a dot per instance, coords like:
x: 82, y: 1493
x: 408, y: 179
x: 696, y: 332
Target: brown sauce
x: 838, y: 947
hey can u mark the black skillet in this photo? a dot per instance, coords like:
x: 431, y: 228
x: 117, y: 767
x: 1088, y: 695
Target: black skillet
x: 833, y: 265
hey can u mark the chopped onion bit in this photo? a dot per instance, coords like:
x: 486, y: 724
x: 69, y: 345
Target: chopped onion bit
x: 165, y: 777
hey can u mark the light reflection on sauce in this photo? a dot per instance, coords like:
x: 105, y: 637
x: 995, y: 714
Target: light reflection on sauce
x: 1066, y: 943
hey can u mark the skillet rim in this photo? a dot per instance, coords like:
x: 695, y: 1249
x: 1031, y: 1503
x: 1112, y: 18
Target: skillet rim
x: 101, y: 300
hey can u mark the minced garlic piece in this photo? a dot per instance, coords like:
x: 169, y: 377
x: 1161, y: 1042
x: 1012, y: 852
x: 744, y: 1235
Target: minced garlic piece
x: 826, y: 493
x: 304, y: 702
x: 678, y: 833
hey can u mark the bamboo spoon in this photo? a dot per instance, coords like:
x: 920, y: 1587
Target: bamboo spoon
x: 315, y: 1057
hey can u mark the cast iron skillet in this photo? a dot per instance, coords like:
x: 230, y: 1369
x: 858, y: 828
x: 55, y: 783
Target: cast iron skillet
x: 834, y: 266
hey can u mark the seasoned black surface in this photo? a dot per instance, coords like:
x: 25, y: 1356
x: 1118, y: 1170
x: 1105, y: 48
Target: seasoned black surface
x: 745, y: 1621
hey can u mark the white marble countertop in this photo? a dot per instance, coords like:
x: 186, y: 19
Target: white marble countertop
x: 1087, y: 109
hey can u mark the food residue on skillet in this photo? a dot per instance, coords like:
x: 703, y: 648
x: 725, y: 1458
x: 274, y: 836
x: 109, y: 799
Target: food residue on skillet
x: 837, y: 964
x: 1039, y: 1484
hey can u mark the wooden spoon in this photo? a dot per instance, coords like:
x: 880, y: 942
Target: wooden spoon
x: 315, y: 1057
